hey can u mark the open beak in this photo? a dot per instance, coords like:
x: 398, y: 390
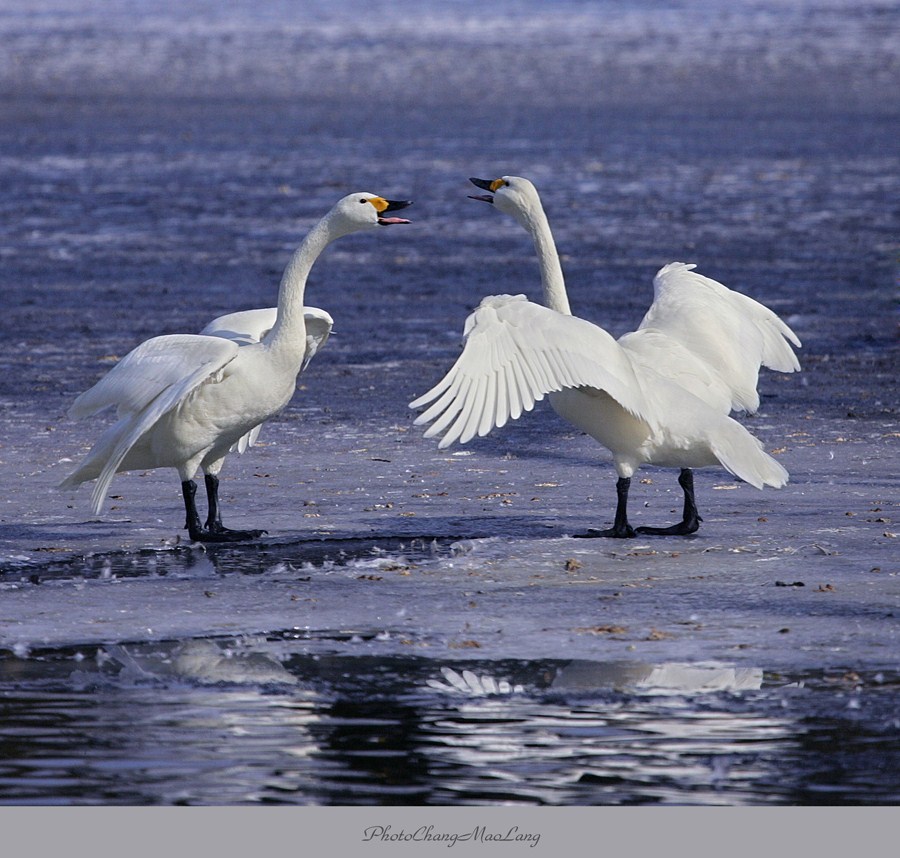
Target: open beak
x: 392, y: 206
x: 486, y: 185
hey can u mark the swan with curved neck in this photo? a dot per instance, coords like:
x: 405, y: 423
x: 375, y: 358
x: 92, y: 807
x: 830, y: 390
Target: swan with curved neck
x: 660, y: 395
x: 184, y: 400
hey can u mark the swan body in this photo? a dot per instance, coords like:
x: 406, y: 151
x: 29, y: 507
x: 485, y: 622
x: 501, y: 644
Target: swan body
x: 660, y: 395
x: 248, y: 327
x: 185, y: 400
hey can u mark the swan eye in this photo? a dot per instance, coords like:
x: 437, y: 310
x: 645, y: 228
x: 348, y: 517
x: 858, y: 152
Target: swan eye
x: 363, y: 200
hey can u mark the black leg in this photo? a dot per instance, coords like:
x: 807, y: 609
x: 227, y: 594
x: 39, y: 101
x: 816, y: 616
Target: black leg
x: 192, y: 517
x: 621, y: 529
x: 214, y: 531
x: 214, y: 517
x: 690, y: 522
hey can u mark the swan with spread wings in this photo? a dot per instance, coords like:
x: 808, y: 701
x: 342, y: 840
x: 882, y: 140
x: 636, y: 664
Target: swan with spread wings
x: 660, y: 395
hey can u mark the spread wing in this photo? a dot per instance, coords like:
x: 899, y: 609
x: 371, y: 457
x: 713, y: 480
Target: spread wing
x: 515, y: 353
x: 734, y: 334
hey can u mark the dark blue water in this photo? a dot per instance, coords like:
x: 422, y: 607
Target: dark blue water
x: 120, y: 726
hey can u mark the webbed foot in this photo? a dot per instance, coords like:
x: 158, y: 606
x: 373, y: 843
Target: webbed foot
x: 224, y: 534
x: 683, y: 528
x: 626, y: 532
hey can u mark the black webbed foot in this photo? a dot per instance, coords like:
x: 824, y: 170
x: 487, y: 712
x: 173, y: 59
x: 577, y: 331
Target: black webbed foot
x: 683, y: 528
x: 621, y: 529
x: 626, y: 532
x: 224, y: 534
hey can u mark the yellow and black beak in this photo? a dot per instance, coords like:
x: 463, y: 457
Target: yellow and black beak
x: 382, y: 206
x: 486, y: 185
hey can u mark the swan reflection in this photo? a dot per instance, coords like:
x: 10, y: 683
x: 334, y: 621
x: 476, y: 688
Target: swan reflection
x: 203, y: 662
x: 634, y: 677
x: 596, y: 732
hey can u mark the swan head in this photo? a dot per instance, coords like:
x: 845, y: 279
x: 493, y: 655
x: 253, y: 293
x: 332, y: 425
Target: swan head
x: 364, y: 211
x: 510, y: 194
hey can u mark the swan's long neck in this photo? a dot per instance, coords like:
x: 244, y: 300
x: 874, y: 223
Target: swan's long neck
x: 555, y: 297
x: 288, y: 335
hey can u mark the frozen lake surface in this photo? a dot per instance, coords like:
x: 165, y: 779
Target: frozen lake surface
x: 420, y: 626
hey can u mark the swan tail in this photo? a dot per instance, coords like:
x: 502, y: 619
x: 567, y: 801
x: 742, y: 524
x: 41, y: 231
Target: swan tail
x: 741, y: 454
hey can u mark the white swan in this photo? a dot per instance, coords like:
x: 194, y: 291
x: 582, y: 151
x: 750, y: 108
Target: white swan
x: 660, y: 395
x: 184, y: 400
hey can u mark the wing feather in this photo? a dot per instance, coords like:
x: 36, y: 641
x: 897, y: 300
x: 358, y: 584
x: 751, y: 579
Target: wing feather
x: 439, y: 389
x: 246, y: 441
x: 455, y: 407
x: 154, y: 366
x: 731, y: 332
x: 542, y: 373
x: 489, y: 412
x: 566, y: 362
x: 318, y: 328
x: 200, y: 358
x: 473, y: 415
x: 512, y: 392
x: 525, y: 402
x: 558, y: 368
x: 438, y: 407
x: 503, y: 400
x: 515, y: 353
x: 532, y: 387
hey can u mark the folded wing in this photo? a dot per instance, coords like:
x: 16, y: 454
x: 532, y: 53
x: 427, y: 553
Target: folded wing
x: 172, y: 364
x: 147, y: 383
